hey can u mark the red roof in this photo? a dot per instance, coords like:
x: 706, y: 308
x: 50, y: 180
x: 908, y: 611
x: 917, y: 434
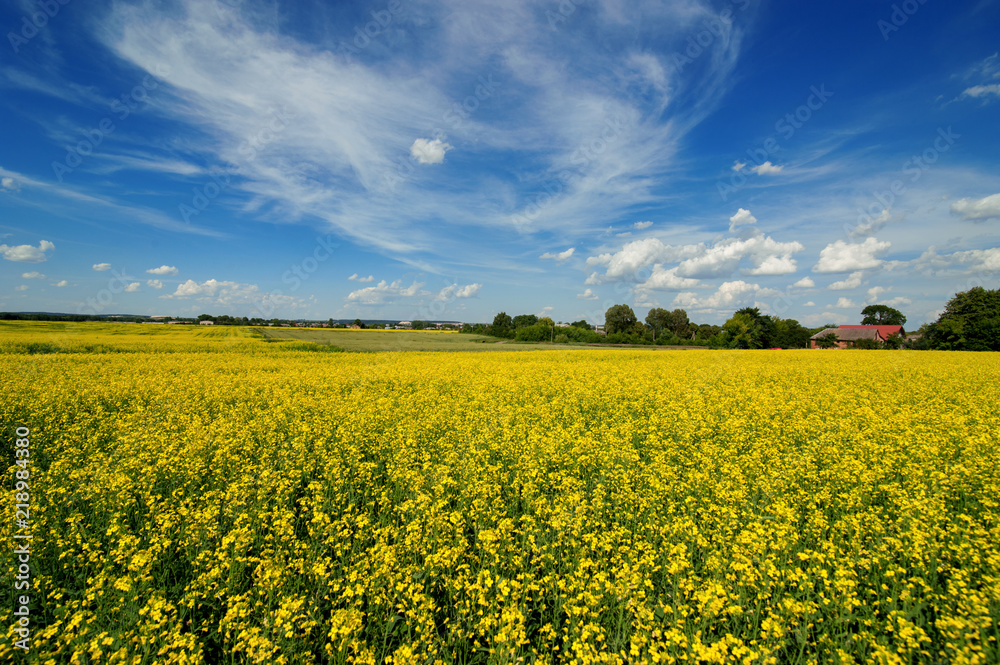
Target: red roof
x: 883, y: 331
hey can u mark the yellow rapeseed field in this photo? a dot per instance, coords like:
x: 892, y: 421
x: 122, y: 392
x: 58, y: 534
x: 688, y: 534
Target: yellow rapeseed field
x: 206, y: 496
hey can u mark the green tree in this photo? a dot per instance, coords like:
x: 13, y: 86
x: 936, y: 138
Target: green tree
x: 790, y: 334
x: 743, y: 331
x: 868, y: 344
x: 357, y: 322
x: 882, y: 315
x: 827, y: 341
x: 525, y: 320
x: 764, y: 323
x: 970, y: 322
x: 658, y: 319
x: 582, y: 324
x: 503, y: 325
x: 619, y: 319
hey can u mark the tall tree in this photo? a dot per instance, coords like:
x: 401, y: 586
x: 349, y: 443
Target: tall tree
x: 970, y: 322
x: 764, y: 323
x: 882, y: 315
x: 658, y: 319
x: 619, y: 318
x: 525, y: 320
x: 743, y: 331
x: 502, y: 326
x: 679, y: 323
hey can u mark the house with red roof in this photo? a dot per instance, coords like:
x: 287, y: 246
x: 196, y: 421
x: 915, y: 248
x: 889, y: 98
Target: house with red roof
x: 847, y: 335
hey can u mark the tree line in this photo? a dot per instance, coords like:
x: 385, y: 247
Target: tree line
x: 970, y: 322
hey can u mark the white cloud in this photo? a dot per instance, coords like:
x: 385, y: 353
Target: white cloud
x: 132, y: 288
x: 844, y: 303
x: 871, y: 225
x: 384, y: 292
x: 767, y: 168
x: 154, y: 283
x: 588, y: 294
x: 634, y: 257
x: 22, y: 287
x: 768, y: 257
x: 34, y: 274
x: 841, y: 256
x: 101, y: 267
x: 455, y: 291
x: 809, y: 304
x: 874, y: 293
x: 27, y: 253
x: 805, y: 283
x: 61, y: 283
x: 561, y: 256
x: 10, y: 185
x: 729, y: 295
x: 429, y: 152
x: 355, y: 278
x: 933, y: 264
x: 163, y: 270
x: 227, y: 293
x: 898, y: 301
x: 738, y: 165
x: 741, y: 217
x: 984, y: 208
x: 982, y: 90
x: 852, y: 282
x: 642, y: 225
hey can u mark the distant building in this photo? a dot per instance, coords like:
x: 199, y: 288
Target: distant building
x: 206, y: 322
x: 847, y: 335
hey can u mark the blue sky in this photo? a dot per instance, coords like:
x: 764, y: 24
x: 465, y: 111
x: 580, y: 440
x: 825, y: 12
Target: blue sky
x: 448, y: 160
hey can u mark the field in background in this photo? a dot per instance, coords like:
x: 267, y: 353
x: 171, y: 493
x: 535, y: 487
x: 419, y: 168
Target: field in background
x: 201, y: 495
x: 396, y: 340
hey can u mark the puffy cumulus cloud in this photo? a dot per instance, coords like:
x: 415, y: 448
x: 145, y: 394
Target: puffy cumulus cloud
x: 639, y: 226
x: 767, y: 255
x: 226, y: 293
x: 874, y: 294
x: 10, y: 185
x: 984, y: 208
x: 154, y: 283
x: 742, y: 217
x: 844, y: 303
x: 560, y: 256
x: 852, y: 282
x: 809, y: 303
x: 767, y: 168
x: 61, y: 283
x: 163, y: 270
x: 738, y: 165
x: 932, y: 264
x: 27, y: 253
x: 871, y: 224
x: 635, y: 258
x: 34, y: 274
x: 132, y: 288
x: 843, y: 256
x: 805, y: 283
x: 728, y: 296
x: 453, y: 291
x: 588, y: 294
x: 384, y: 292
x: 363, y: 280
x: 101, y: 267
x: 429, y: 152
